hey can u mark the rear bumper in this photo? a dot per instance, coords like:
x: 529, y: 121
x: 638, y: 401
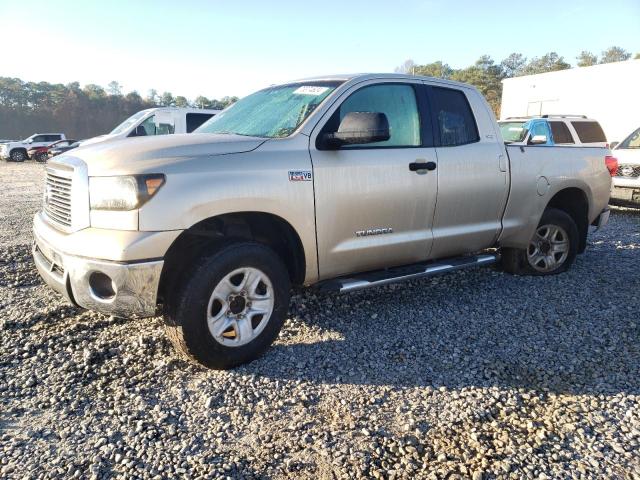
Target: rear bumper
x: 626, y: 194
x: 132, y: 290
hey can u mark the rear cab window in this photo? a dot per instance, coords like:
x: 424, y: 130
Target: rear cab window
x: 589, y: 132
x: 454, y: 120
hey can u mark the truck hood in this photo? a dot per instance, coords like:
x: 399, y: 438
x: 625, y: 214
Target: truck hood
x: 144, y: 154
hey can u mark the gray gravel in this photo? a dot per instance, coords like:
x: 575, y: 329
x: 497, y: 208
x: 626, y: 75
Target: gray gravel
x: 473, y: 375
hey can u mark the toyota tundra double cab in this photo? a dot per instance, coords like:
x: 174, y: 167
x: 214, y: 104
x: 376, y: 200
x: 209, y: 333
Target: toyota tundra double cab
x: 338, y: 183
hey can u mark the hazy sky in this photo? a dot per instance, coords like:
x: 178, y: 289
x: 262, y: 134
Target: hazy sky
x: 217, y: 48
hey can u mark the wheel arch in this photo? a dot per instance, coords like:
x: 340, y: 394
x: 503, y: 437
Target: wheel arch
x: 575, y: 203
x: 206, y: 235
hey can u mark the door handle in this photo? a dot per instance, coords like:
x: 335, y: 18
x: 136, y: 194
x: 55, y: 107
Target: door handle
x: 419, y: 166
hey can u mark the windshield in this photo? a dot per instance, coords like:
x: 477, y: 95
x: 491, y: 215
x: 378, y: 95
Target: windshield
x: 632, y: 141
x: 514, y: 131
x: 129, y: 122
x: 274, y: 112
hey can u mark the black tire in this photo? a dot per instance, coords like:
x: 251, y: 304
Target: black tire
x: 516, y: 261
x: 18, y: 155
x: 186, y: 307
x: 41, y: 157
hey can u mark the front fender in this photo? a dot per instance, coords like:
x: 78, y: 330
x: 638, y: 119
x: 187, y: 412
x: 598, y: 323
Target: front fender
x: 248, y: 182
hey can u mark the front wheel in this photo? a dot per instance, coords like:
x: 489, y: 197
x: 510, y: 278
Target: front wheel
x: 18, y: 155
x: 551, y: 250
x: 41, y: 157
x: 230, y: 307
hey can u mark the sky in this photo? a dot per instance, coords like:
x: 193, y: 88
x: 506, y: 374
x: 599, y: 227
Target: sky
x: 218, y: 48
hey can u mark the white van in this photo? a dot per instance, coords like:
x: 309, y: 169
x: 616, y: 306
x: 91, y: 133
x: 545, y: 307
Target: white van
x: 157, y: 121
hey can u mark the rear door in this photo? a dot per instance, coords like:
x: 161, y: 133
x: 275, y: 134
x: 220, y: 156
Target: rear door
x: 372, y: 210
x: 472, y: 172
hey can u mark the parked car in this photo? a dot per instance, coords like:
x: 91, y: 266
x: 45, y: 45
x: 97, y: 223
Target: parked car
x: 157, y: 121
x: 341, y: 183
x: 39, y: 154
x: 626, y: 183
x: 62, y: 146
x: 566, y: 130
x: 17, y: 151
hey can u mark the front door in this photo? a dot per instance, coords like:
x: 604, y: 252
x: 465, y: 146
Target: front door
x: 372, y: 210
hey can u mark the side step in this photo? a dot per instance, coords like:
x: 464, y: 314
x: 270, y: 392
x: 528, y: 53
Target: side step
x: 409, y: 272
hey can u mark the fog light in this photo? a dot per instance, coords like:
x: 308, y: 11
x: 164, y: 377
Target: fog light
x: 102, y: 286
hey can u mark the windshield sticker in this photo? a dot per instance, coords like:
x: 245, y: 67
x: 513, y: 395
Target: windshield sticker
x: 300, y: 176
x: 310, y: 90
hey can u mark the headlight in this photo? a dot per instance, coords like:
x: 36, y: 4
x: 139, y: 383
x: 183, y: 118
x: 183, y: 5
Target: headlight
x: 127, y: 192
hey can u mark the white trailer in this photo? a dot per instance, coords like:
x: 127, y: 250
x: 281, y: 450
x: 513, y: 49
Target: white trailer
x: 607, y: 93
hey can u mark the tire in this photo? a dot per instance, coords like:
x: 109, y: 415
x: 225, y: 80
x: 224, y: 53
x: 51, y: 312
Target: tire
x: 18, y: 155
x: 41, y: 157
x: 194, y: 313
x: 552, y: 250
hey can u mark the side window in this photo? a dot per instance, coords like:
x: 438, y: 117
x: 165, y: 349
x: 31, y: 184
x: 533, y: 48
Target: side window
x: 55, y: 138
x: 194, y: 120
x: 397, y: 102
x: 589, y: 132
x: 39, y: 138
x: 454, y: 118
x: 539, y: 128
x: 561, y: 133
x: 149, y: 125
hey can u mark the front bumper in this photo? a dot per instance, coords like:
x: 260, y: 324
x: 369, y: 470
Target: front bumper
x: 133, y: 286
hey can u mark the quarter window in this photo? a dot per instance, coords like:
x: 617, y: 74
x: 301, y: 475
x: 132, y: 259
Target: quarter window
x: 397, y: 102
x: 454, y: 117
x: 561, y: 133
x: 589, y: 132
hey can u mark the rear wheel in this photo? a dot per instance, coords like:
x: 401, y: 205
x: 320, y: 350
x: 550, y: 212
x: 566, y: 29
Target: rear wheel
x: 551, y: 250
x: 230, y: 307
x: 18, y: 155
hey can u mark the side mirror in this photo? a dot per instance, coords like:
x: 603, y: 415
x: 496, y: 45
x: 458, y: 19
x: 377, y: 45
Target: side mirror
x: 358, y: 128
x: 614, y: 145
x: 140, y: 131
x: 538, y: 140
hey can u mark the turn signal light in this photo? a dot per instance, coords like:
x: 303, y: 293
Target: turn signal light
x: 612, y: 164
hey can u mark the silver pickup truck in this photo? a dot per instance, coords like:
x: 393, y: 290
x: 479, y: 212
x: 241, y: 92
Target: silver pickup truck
x: 339, y: 182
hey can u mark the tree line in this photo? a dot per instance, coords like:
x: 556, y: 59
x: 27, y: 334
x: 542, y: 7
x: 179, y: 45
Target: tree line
x: 83, y: 112
x: 487, y: 75
x: 79, y: 112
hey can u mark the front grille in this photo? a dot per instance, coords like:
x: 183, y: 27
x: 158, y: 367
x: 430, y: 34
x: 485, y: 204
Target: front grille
x: 628, y: 171
x: 57, y: 198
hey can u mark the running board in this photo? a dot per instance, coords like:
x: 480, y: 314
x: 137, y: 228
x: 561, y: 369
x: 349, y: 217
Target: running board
x: 401, y: 274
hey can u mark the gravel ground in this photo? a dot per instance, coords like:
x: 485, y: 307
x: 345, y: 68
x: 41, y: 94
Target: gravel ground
x: 477, y: 374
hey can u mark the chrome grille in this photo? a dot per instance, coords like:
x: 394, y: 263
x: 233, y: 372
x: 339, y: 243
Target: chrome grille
x: 57, y: 198
x: 628, y: 171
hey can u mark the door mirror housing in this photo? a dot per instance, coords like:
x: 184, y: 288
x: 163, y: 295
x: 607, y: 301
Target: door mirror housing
x: 614, y: 145
x: 538, y: 140
x: 358, y: 128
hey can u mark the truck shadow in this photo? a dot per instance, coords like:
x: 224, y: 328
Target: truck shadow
x: 576, y: 333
